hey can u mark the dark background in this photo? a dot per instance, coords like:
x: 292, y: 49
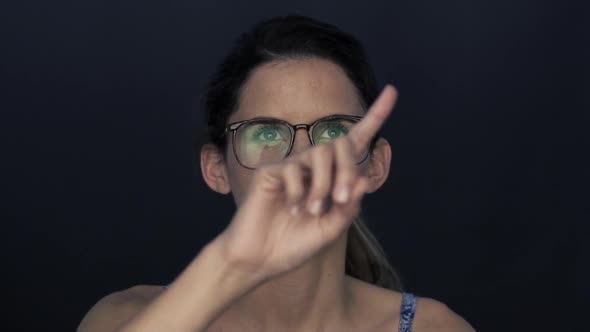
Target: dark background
x: 486, y: 207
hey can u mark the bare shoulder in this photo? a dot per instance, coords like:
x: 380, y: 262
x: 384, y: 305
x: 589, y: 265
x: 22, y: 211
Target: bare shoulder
x: 115, y: 309
x: 383, y: 306
x: 433, y: 315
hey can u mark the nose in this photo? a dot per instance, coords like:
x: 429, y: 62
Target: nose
x: 301, y: 142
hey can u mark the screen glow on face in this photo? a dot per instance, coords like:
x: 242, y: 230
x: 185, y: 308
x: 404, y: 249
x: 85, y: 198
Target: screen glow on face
x: 262, y: 142
x: 326, y: 131
x: 265, y: 141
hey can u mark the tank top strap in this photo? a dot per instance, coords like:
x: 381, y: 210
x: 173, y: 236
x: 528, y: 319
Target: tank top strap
x: 407, y: 311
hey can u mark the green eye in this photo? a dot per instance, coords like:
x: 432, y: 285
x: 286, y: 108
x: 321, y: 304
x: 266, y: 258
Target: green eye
x: 267, y: 134
x: 331, y: 131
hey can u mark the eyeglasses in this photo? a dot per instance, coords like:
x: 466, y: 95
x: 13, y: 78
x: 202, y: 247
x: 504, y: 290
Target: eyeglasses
x: 264, y: 140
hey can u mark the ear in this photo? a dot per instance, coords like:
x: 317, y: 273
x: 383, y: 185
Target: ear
x: 214, y: 169
x: 379, y: 162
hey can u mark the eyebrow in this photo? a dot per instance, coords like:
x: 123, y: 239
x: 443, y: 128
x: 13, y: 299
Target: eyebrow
x: 273, y: 118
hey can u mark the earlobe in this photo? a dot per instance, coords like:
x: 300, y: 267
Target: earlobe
x: 214, y: 170
x: 380, y: 161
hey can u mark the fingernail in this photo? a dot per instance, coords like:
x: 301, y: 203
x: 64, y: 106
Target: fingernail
x: 295, y: 210
x: 342, y: 195
x: 315, y: 207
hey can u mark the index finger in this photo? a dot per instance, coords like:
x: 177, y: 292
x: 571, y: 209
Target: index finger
x: 362, y: 133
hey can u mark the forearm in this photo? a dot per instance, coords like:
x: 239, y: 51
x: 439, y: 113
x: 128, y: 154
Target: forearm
x: 207, y: 286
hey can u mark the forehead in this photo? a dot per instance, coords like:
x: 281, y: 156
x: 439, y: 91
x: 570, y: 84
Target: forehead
x: 298, y: 91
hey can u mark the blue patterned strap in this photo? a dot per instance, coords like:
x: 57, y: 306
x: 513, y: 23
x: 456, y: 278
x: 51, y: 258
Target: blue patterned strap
x: 408, y: 309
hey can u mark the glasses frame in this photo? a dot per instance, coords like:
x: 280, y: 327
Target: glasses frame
x: 233, y: 128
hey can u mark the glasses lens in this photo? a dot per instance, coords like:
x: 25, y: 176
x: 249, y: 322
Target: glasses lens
x: 261, y: 142
x: 330, y: 129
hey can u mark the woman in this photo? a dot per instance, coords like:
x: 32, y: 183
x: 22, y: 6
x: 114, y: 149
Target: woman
x: 292, y: 137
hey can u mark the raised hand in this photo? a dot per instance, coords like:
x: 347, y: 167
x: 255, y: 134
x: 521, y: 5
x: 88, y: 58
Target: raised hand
x: 299, y: 205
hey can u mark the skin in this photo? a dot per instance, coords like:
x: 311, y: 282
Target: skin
x: 273, y: 269
x: 316, y: 295
x: 297, y: 91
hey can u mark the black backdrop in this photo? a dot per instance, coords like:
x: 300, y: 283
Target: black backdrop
x: 486, y: 202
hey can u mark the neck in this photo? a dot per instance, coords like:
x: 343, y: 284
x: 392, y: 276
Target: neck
x: 313, y: 297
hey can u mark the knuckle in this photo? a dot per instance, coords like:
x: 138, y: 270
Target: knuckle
x: 320, y: 188
x: 296, y: 193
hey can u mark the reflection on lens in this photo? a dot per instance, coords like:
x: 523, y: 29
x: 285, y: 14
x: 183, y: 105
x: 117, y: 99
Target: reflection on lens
x: 262, y: 142
x: 329, y: 130
x: 267, y: 141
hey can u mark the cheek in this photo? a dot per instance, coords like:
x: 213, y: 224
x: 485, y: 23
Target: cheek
x: 239, y: 178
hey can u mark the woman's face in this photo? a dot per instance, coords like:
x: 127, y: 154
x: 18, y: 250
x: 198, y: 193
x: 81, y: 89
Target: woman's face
x: 296, y: 91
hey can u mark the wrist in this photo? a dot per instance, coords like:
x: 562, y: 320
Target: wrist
x: 230, y: 266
